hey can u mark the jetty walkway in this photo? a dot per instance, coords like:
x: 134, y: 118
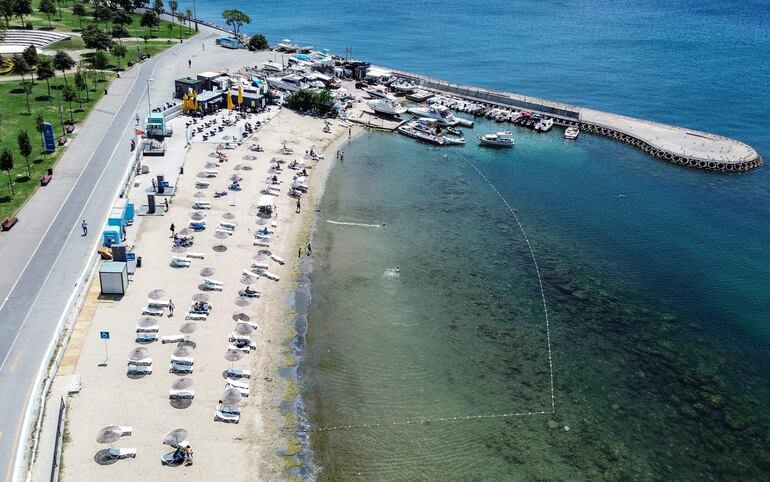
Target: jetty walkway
x: 686, y: 147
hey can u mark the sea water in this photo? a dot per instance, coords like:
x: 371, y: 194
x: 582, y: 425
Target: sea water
x: 654, y: 275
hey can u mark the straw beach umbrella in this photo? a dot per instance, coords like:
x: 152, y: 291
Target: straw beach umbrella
x: 244, y: 329
x: 207, y: 271
x: 262, y: 255
x: 109, y: 434
x: 176, y: 437
x: 228, y: 215
x: 197, y: 216
x: 188, y: 328
x: 242, y: 302
x: 202, y: 297
x: 248, y: 279
x: 231, y: 397
x: 139, y: 353
x: 178, y: 249
x: 156, y: 294
x: 199, y: 194
x: 183, y: 351
x: 182, y: 383
x: 233, y: 356
x: 147, y: 324
x: 186, y: 232
x: 220, y: 235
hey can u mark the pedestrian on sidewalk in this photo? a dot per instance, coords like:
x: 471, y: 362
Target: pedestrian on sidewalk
x: 166, y: 203
x: 84, y: 225
x: 172, y: 230
x: 170, y: 307
x: 298, y: 205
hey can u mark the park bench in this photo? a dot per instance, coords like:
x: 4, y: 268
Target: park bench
x: 8, y: 223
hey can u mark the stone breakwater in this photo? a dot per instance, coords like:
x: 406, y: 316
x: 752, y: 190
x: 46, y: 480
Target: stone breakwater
x: 678, y: 145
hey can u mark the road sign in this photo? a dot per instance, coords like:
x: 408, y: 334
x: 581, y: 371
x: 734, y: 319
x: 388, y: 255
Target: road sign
x: 49, y: 139
x: 104, y: 335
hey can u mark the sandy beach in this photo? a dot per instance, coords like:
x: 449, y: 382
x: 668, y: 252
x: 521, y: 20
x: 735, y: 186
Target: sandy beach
x: 255, y: 448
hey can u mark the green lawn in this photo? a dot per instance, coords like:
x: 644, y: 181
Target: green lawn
x: 14, y: 119
x: 70, y: 22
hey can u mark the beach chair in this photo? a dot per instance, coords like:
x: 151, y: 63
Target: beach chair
x: 236, y: 337
x: 146, y: 337
x: 245, y: 349
x: 201, y: 205
x: 198, y: 225
x: 228, y: 226
x: 211, y: 172
x: 226, y: 231
x: 152, y: 311
x: 249, y: 294
x: 174, y: 339
x: 238, y: 373
x: 261, y: 243
x: 183, y: 360
x: 145, y: 361
x: 158, y: 303
x: 227, y: 414
x: 196, y: 255
x: 243, y: 391
x: 277, y: 259
x: 201, y: 184
x: 117, y: 453
x: 272, y: 276
x: 213, y: 285
x: 139, y: 369
x: 195, y: 316
x: 180, y: 262
x: 259, y: 266
x: 179, y: 394
x: 127, y: 430
x: 180, y: 369
x: 235, y: 383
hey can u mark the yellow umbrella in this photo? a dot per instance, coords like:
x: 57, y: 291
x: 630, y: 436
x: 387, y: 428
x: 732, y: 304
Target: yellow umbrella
x: 230, y: 105
x: 240, y: 94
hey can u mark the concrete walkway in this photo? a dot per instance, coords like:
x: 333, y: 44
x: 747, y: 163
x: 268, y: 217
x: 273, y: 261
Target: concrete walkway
x: 44, y: 256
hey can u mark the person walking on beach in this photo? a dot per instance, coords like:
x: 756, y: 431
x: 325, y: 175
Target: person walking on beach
x: 166, y: 204
x: 170, y: 308
x: 309, y: 251
x: 298, y: 205
x: 299, y: 252
x: 189, y: 63
x: 84, y: 225
x: 172, y: 229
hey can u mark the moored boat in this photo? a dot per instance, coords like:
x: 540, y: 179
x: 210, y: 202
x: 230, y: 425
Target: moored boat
x: 498, y: 139
x: 571, y: 132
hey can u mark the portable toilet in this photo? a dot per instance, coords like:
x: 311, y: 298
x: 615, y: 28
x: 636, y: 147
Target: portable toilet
x: 111, y: 235
x: 156, y: 125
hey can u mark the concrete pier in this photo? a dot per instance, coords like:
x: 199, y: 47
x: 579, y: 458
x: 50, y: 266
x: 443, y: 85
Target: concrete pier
x: 686, y: 147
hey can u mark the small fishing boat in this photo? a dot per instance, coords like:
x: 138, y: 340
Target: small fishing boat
x: 454, y: 131
x: 571, y: 133
x: 499, y: 139
x: 544, y: 125
x: 452, y: 140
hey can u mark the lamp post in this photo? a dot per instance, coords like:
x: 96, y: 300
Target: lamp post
x: 149, y: 108
x: 195, y: 16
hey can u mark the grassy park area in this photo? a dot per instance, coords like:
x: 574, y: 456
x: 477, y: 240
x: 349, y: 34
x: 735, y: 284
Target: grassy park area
x: 20, y: 112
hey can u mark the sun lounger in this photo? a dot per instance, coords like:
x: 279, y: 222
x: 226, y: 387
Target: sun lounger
x: 238, y: 373
x: 272, y: 276
x: 274, y: 224
x: 244, y: 391
x: 214, y: 285
x: 250, y: 323
x: 146, y: 337
x: 227, y: 414
x: 258, y: 265
x: 234, y: 382
x: 236, y: 337
x: 225, y: 225
x: 150, y: 329
x: 180, y: 262
x: 196, y: 316
x: 200, y: 183
x: 244, y: 349
x: 176, y: 394
x: 182, y: 360
x: 176, y: 368
x: 277, y: 259
x: 173, y: 339
x: 139, y: 369
x: 150, y: 311
x: 121, y: 453
x: 196, y: 255
x: 226, y: 231
x: 205, y: 312
x: 249, y: 294
x: 145, y: 361
x: 261, y: 243
x: 201, y: 205
x: 158, y: 303
x: 211, y: 172
x: 127, y: 430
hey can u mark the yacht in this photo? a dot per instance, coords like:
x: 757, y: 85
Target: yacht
x: 380, y: 92
x: 418, y: 131
x: 571, y: 132
x: 403, y: 87
x: 435, y: 111
x: 544, y: 125
x: 291, y: 82
x: 386, y: 107
x: 270, y: 66
x: 499, y: 139
x: 419, y: 96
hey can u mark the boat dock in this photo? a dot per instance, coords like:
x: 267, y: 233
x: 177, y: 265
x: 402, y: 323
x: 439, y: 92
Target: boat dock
x: 686, y: 147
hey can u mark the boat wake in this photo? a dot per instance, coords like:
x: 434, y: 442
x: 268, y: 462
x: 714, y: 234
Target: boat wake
x: 363, y: 225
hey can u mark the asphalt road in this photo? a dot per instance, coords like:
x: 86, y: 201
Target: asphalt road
x: 40, y: 279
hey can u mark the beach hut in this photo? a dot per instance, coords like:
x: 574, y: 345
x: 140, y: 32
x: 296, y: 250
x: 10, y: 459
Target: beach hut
x: 266, y: 205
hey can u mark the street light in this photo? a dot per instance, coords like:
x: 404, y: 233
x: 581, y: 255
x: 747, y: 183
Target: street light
x: 195, y: 15
x: 149, y: 108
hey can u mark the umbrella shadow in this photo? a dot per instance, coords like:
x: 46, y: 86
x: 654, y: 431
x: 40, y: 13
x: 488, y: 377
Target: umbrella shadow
x: 103, y: 457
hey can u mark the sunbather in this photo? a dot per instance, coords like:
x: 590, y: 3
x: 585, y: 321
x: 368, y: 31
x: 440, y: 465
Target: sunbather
x: 249, y: 291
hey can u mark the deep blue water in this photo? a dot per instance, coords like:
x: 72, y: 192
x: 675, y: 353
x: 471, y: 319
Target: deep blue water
x: 657, y: 275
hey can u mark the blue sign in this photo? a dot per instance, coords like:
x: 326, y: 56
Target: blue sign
x: 130, y: 256
x: 49, y: 139
x: 104, y: 335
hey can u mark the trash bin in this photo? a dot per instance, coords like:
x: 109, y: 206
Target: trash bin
x: 138, y: 261
x: 50, y: 171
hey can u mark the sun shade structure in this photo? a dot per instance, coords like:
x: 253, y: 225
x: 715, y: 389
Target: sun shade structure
x: 139, y: 353
x: 202, y: 297
x: 231, y: 396
x: 108, y: 435
x: 176, y: 437
x: 182, y: 383
x: 188, y: 328
x: 183, y: 351
x: 207, y: 271
x: 156, y: 294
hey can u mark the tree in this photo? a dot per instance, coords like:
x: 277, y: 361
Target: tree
x: 305, y: 100
x: 79, y: 10
x: 25, y: 148
x: 21, y: 8
x: 62, y: 61
x: 45, y: 71
x: 7, y: 11
x: 119, y: 51
x: 6, y: 164
x: 69, y: 95
x: 96, y: 38
x: 235, y: 18
x: 119, y: 32
x: 188, y: 16
x: 139, y: 3
x: 173, y: 5
x: 48, y: 8
x: 81, y: 84
x: 39, y: 121
x: 258, y: 42
x: 149, y: 19
x: 158, y: 6
x: 99, y: 61
x: 120, y: 17
x: 30, y: 56
x: 21, y: 67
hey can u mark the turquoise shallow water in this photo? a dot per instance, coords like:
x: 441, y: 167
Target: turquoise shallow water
x: 655, y: 275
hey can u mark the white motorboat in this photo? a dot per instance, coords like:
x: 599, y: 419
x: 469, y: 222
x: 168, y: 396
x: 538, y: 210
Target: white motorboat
x: 571, y: 133
x: 379, y: 91
x: 291, y: 82
x: 458, y: 141
x: 544, y: 125
x: 498, y: 139
x: 435, y: 111
x: 403, y: 87
x: 270, y: 66
x: 386, y: 107
x: 419, y: 96
x: 412, y: 130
